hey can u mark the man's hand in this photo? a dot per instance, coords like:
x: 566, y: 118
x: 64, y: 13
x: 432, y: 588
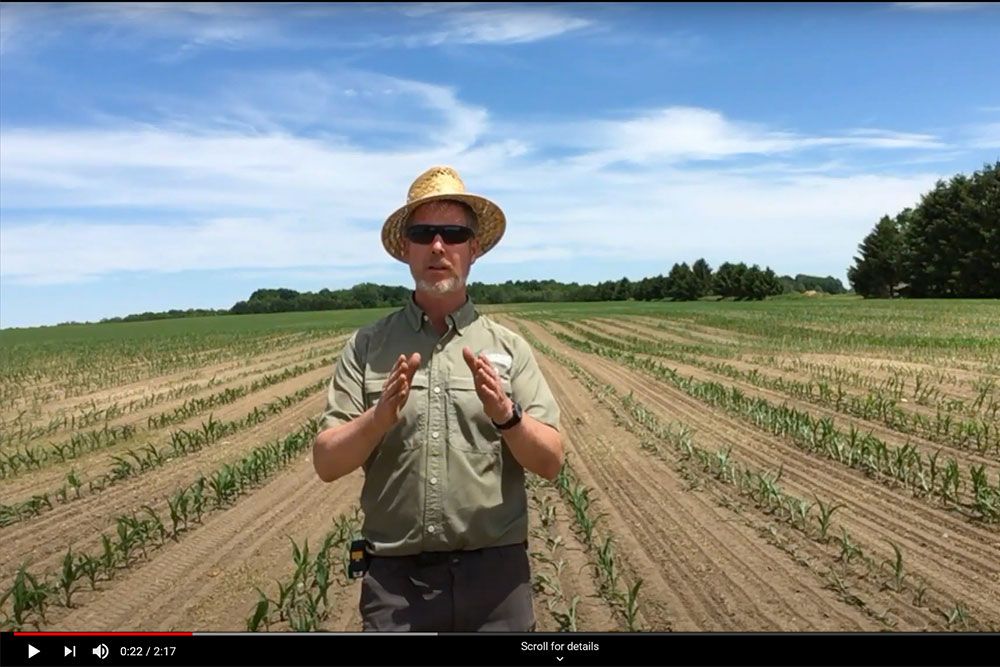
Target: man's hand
x: 496, y: 405
x: 395, y: 391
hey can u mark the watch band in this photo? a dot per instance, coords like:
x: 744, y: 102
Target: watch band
x: 514, y: 420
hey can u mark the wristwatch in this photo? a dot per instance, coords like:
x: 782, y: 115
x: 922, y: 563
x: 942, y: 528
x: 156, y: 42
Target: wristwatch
x: 514, y: 420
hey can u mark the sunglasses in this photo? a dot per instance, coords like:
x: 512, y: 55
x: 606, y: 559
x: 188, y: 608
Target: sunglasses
x: 450, y: 234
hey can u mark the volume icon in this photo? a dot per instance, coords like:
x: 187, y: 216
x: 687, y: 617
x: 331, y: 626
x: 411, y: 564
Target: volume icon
x: 101, y: 651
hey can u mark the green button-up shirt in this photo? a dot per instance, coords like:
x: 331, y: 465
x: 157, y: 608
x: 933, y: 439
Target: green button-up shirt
x: 442, y: 479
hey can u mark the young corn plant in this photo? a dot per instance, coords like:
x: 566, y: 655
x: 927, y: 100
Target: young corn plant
x: 69, y: 574
x: 631, y: 605
x: 89, y: 567
x: 606, y: 570
x: 567, y: 619
x: 957, y: 616
x: 260, y: 613
x: 896, y: 568
x: 74, y: 482
x: 29, y: 597
x: 848, y: 549
x: 826, y: 511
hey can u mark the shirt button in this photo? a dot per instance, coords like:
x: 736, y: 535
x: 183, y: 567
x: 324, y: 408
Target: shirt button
x: 439, y: 346
x: 437, y: 390
x: 434, y: 434
x: 434, y: 480
x: 430, y: 529
x: 425, y: 318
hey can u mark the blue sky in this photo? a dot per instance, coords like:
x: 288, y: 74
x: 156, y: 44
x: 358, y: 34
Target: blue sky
x: 157, y: 156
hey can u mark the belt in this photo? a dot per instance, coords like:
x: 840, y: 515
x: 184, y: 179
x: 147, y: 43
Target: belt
x: 431, y: 558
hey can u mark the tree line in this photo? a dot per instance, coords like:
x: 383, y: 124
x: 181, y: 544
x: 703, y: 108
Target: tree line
x: 682, y: 283
x: 948, y: 245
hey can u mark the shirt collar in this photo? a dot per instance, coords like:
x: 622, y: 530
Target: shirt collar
x: 459, y: 319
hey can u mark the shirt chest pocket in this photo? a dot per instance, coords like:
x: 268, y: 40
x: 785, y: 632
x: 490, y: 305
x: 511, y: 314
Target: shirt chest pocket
x: 406, y: 434
x: 469, y: 429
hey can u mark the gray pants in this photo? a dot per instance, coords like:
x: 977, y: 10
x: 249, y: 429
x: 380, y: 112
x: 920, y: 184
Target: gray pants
x: 453, y: 591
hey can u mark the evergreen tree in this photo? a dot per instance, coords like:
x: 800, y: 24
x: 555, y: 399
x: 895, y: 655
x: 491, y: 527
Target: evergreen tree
x: 878, y: 267
x: 703, y: 277
x: 952, y: 238
x: 684, y: 285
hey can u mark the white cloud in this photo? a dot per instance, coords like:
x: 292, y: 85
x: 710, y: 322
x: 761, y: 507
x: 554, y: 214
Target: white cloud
x: 678, y: 134
x: 265, y: 168
x: 187, y: 28
x: 253, y: 193
x: 493, y: 25
x: 132, y: 25
x: 92, y: 250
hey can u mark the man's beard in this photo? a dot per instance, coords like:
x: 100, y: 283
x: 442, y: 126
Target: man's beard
x: 442, y: 286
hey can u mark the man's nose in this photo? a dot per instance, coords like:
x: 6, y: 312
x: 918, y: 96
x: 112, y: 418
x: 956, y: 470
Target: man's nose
x: 437, y: 245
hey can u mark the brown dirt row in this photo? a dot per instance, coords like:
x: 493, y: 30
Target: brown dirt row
x: 926, y: 448
x: 961, y: 369
x: 685, y: 332
x: 559, y: 542
x: 94, y: 464
x: 709, y: 573
x: 617, y: 328
x: 671, y: 331
x: 233, y: 374
x: 44, y: 539
x: 959, y: 560
x: 192, y: 370
x: 805, y: 550
x: 954, y: 388
x: 206, y: 580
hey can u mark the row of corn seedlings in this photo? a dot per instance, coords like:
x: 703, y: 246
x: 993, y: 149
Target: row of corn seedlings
x: 62, y: 421
x: 134, y: 463
x: 26, y: 432
x: 549, y: 582
x: 905, y: 465
x: 927, y: 384
x: 25, y: 603
x: 90, y: 363
x: 927, y: 387
x: 230, y: 395
x: 27, y: 458
x: 92, y: 414
x: 763, y: 489
x: 614, y: 586
x: 304, y: 602
x: 86, y: 366
x: 35, y: 458
x: 980, y: 434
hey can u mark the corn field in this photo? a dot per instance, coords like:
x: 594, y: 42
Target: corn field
x: 809, y: 465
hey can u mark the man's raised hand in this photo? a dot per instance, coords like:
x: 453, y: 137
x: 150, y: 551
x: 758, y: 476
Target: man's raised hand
x: 496, y: 405
x: 396, y: 390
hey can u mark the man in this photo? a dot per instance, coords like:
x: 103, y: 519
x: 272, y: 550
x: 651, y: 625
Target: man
x: 445, y: 410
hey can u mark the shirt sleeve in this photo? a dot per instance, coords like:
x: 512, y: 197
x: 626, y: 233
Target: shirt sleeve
x: 345, y: 397
x: 530, y: 389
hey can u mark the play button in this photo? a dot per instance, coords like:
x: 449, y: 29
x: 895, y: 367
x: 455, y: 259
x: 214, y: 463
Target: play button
x: 32, y: 651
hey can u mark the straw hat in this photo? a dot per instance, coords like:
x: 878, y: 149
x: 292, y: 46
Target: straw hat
x: 443, y: 183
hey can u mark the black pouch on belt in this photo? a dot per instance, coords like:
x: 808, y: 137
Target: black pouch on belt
x: 358, y: 564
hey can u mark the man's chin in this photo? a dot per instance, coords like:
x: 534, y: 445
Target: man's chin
x: 442, y: 286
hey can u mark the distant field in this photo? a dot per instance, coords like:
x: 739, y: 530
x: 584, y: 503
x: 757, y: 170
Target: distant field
x: 793, y: 465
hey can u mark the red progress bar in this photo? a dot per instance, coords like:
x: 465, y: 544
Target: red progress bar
x: 103, y: 634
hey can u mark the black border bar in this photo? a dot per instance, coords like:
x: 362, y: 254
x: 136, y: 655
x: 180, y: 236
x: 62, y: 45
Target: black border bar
x: 555, y: 649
